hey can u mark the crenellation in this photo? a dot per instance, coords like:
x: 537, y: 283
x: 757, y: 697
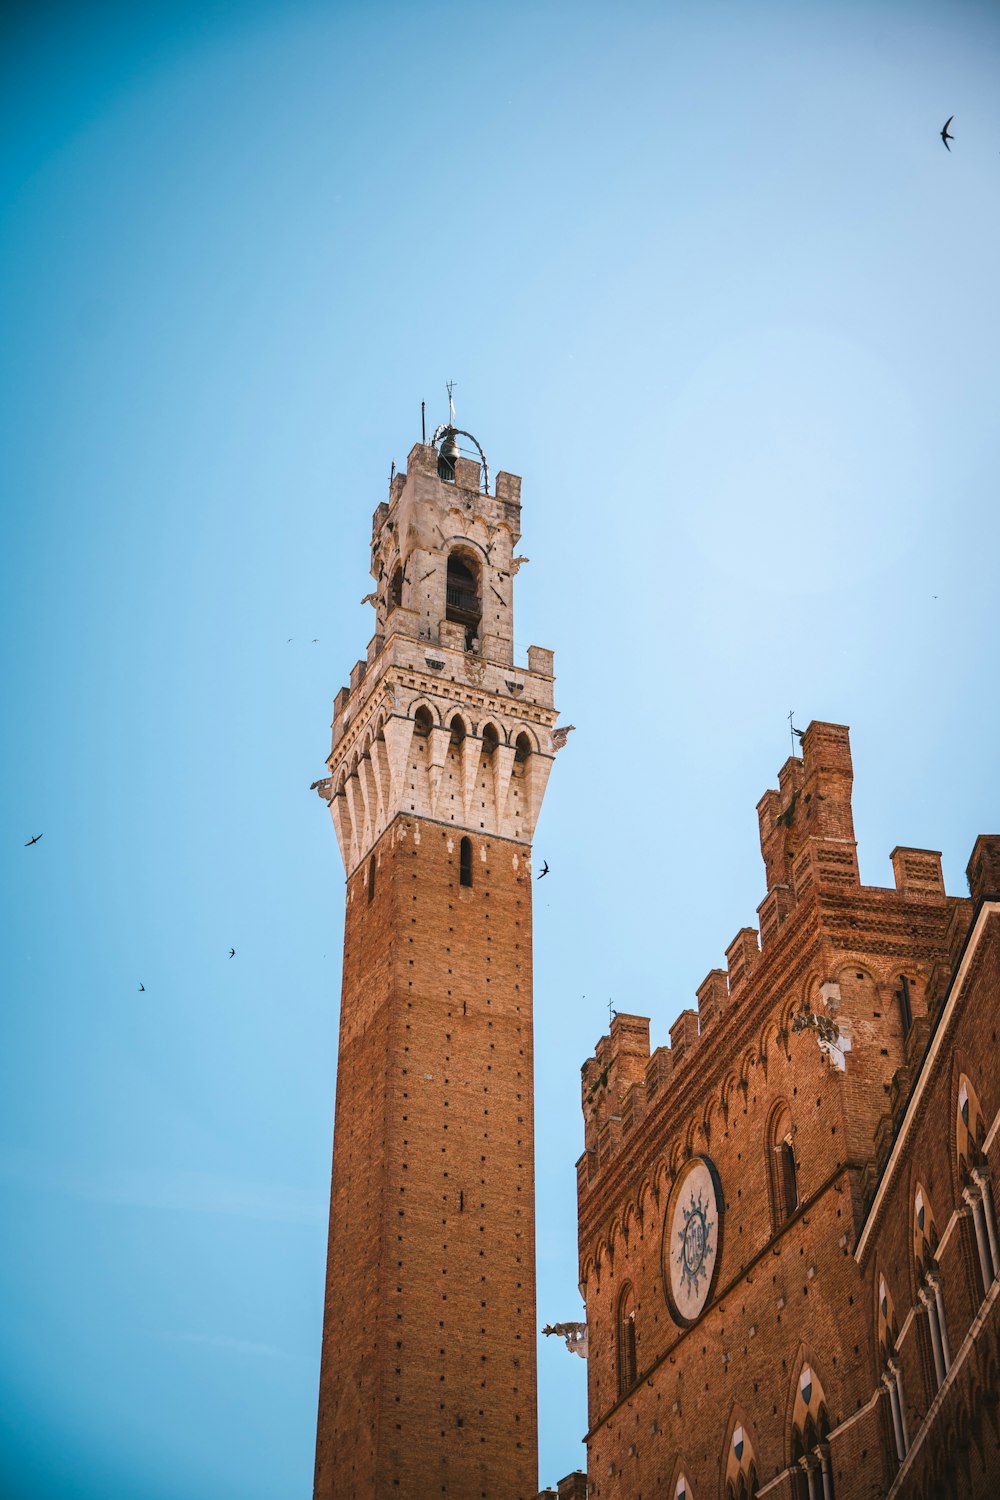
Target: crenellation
x: 776, y: 907
x: 983, y: 869
x: 659, y: 1069
x: 742, y: 957
x: 684, y: 1035
x: 713, y: 997
x: 918, y: 872
x: 508, y: 487
x: 468, y: 474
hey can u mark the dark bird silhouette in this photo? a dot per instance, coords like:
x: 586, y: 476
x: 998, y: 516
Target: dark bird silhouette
x: 142, y: 989
x: 545, y: 869
x: 944, y: 134
x: 289, y: 641
x: 315, y: 640
x: 232, y: 953
x: 34, y: 840
x: 800, y: 734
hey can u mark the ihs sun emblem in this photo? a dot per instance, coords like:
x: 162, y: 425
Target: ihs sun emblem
x: 695, y: 1244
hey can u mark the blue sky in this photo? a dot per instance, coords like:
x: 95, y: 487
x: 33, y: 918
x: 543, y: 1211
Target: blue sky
x: 708, y: 279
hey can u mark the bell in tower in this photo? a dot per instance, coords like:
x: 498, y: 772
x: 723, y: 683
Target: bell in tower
x: 447, y: 455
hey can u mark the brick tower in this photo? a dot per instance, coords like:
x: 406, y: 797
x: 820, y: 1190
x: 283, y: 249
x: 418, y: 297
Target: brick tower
x: 442, y: 748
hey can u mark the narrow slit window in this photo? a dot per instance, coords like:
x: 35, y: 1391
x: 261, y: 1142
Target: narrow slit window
x: 371, y: 878
x: 465, y: 862
x: 905, y: 1005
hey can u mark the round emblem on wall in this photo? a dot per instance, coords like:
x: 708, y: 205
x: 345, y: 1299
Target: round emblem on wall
x: 691, y: 1236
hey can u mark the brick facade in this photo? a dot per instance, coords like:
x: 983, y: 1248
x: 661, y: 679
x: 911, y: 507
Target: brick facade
x: 850, y: 1027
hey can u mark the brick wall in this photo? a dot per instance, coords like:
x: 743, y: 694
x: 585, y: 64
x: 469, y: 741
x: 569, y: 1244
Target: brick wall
x: 429, y: 1334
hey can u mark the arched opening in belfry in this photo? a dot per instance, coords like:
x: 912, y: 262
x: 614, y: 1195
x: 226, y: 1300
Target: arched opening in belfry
x: 464, y: 603
x: 491, y: 740
x: 396, y: 587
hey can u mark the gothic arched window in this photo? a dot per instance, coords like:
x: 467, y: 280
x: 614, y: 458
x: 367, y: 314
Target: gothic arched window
x: 465, y: 862
x: 810, y: 1427
x: 627, y: 1354
x: 741, y: 1467
x: 928, y: 1279
x: 781, y: 1166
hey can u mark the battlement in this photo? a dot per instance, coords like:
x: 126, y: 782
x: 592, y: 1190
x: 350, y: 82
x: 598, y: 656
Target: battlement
x: 810, y: 860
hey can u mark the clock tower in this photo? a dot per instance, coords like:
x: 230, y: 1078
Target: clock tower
x: 442, y: 748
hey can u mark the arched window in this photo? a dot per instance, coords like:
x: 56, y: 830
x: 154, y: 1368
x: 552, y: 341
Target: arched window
x: 457, y: 729
x: 627, y: 1355
x: 892, y: 1375
x: 491, y: 740
x: 396, y: 587
x: 810, y: 1427
x: 371, y: 877
x: 464, y: 606
x: 423, y: 723
x: 741, y: 1467
x: 465, y: 862
x: 977, y: 1188
x: 522, y: 749
x: 928, y: 1278
x: 781, y: 1166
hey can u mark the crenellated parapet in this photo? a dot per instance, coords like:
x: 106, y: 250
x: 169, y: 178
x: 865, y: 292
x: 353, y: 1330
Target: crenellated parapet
x: 830, y: 961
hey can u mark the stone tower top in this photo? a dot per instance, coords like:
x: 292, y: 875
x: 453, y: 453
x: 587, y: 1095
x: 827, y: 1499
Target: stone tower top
x: 438, y: 720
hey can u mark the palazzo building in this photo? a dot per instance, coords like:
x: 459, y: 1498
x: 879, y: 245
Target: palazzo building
x: 787, y: 1225
x: 442, y: 747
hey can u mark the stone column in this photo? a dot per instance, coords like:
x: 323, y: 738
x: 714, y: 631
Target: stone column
x: 985, y: 1188
x: 930, y: 1308
x: 809, y: 1464
x: 824, y: 1464
x: 974, y: 1199
x: 889, y: 1381
x: 935, y: 1282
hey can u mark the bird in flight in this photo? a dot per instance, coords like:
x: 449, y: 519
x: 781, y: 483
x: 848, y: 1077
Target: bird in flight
x: 33, y: 841
x: 944, y: 134
x: 142, y: 989
x: 545, y: 869
x: 232, y: 953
